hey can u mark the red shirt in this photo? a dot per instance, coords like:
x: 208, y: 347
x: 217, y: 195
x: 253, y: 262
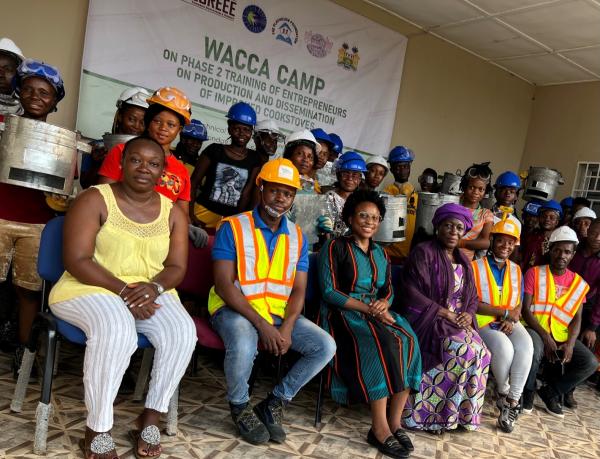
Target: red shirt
x: 561, y: 283
x: 175, y: 182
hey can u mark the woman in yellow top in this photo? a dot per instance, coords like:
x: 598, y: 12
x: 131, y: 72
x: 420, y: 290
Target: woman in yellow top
x: 125, y: 251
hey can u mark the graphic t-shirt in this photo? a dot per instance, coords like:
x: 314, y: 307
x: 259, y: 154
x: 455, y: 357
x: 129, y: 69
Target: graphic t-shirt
x: 174, y: 183
x: 225, y: 180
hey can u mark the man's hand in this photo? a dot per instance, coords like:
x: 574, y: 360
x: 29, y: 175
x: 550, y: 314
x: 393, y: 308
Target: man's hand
x: 588, y: 337
x: 286, y: 334
x: 549, y: 347
x: 270, y: 338
x: 567, y: 349
x: 514, y: 315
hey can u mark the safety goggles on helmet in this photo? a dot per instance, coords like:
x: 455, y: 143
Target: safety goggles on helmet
x: 134, y: 96
x: 474, y: 173
x: 174, y: 99
x: 195, y: 130
x: 33, y: 68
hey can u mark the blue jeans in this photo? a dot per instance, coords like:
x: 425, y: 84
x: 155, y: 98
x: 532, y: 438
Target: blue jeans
x: 241, y: 340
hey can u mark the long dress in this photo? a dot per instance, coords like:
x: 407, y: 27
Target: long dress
x: 451, y: 393
x: 373, y: 360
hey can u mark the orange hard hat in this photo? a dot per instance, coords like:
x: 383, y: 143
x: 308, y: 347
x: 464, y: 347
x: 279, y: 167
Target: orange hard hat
x: 507, y: 227
x: 173, y: 99
x: 280, y: 171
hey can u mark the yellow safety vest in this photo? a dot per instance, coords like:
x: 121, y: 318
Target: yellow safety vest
x: 488, y: 291
x: 555, y: 314
x: 265, y: 282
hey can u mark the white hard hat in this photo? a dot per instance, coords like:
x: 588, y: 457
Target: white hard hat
x: 134, y: 96
x: 585, y: 212
x: 563, y: 234
x: 380, y: 160
x: 267, y: 126
x: 8, y: 46
x: 303, y: 135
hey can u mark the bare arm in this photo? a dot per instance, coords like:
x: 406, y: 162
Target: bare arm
x: 482, y: 242
x: 198, y: 175
x: 185, y: 207
x: 246, y: 200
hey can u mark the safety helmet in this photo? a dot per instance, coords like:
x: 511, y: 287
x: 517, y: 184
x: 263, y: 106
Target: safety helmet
x: 195, y: 130
x: 401, y: 154
x: 380, y: 160
x: 8, y: 46
x: 551, y: 205
x: 321, y: 135
x: 280, y: 171
x: 35, y: 68
x: 351, y: 161
x: 532, y: 207
x: 508, y: 179
x: 567, y: 202
x: 269, y: 126
x: 173, y: 99
x: 337, y: 143
x: 242, y: 112
x: 304, y: 136
x: 584, y: 212
x: 134, y: 96
x: 507, y: 227
x: 563, y: 234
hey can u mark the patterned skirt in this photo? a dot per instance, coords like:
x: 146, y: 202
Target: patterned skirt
x: 372, y: 360
x: 451, y: 394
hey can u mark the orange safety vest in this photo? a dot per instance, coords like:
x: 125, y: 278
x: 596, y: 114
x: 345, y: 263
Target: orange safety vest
x: 555, y: 314
x: 265, y: 281
x: 489, y: 292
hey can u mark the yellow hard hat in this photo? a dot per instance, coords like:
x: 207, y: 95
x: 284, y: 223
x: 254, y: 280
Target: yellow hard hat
x: 507, y: 227
x: 281, y: 171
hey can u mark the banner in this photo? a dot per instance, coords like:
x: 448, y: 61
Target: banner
x: 304, y: 64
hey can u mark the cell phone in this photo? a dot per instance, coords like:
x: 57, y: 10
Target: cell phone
x: 495, y: 325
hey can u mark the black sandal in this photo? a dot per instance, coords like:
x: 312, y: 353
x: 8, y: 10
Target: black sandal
x: 390, y: 447
x: 404, y: 439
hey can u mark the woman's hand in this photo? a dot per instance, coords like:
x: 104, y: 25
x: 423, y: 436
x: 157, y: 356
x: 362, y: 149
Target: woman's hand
x: 139, y: 294
x: 144, y: 312
x: 514, y: 315
x: 386, y: 318
x: 506, y: 327
x: 378, y: 307
x: 464, y: 320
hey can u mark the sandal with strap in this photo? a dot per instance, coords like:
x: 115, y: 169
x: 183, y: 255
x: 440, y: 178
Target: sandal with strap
x: 101, y: 444
x: 150, y: 435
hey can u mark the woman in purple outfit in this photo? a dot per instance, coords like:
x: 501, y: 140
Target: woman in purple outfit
x: 440, y: 302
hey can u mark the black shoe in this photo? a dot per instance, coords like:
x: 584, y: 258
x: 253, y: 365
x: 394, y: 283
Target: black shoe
x: 570, y: 401
x: 551, y: 401
x: 249, y: 426
x: 270, y: 412
x: 527, y: 399
x: 508, y: 417
x: 390, y: 447
x: 404, y: 439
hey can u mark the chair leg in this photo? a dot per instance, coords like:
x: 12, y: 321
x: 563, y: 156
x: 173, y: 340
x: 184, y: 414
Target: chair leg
x: 56, y: 357
x: 23, y: 381
x: 172, y: 414
x: 320, y: 399
x: 140, y: 385
x: 44, y: 408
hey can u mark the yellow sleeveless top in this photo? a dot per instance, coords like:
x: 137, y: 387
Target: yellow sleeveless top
x: 131, y: 251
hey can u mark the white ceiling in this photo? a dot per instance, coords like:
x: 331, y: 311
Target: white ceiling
x: 541, y: 41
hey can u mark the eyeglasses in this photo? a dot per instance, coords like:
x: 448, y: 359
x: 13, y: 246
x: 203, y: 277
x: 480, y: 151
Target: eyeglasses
x: 364, y: 216
x: 351, y: 175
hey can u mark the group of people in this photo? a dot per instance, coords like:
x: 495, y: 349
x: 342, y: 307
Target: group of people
x: 463, y: 305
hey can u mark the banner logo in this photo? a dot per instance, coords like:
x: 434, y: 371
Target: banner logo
x: 317, y: 44
x: 224, y: 9
x: 254, y: 19
x: 348, y: 58
x: 285, y: 30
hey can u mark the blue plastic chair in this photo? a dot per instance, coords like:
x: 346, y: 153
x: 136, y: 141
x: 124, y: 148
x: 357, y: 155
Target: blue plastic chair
x: 50, y: 269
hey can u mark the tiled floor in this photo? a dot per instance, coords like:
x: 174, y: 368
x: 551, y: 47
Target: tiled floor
x: 206, y: 431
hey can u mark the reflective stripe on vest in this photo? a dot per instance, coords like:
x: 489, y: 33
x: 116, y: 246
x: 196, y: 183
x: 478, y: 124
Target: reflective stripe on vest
x: 488, y: 291
x: 555, y: 315
x: 265, y: 281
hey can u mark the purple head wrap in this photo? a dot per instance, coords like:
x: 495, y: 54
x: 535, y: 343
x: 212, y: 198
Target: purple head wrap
x: 452, y: 210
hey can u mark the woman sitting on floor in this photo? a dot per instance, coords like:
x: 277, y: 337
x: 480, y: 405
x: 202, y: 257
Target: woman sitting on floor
x: 440, y: 302
x: 377, y: 355
x: 125, y: 251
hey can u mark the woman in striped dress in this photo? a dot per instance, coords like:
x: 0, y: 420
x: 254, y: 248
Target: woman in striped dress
x: 378, y: 355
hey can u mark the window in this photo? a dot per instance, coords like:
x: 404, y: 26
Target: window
x: 587, y: 183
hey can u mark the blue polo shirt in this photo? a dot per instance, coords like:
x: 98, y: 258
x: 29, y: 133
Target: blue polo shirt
x: 224, y: 246
x: 498, y: 273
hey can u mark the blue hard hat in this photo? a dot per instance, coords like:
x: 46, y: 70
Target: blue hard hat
x: 351, y: 161
x: 508, y: 179
x: 551, y: 205
x: 401, y: 154
x: 567, y: 202
x: 35, y: 68
x: 195, y: 130
x: 242, y: 113
x: 533, y: 207
x: 321, y: 135
x: 337, y: 143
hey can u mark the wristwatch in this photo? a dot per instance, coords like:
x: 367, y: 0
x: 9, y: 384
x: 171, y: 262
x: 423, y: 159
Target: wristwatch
x: 159, y: 288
